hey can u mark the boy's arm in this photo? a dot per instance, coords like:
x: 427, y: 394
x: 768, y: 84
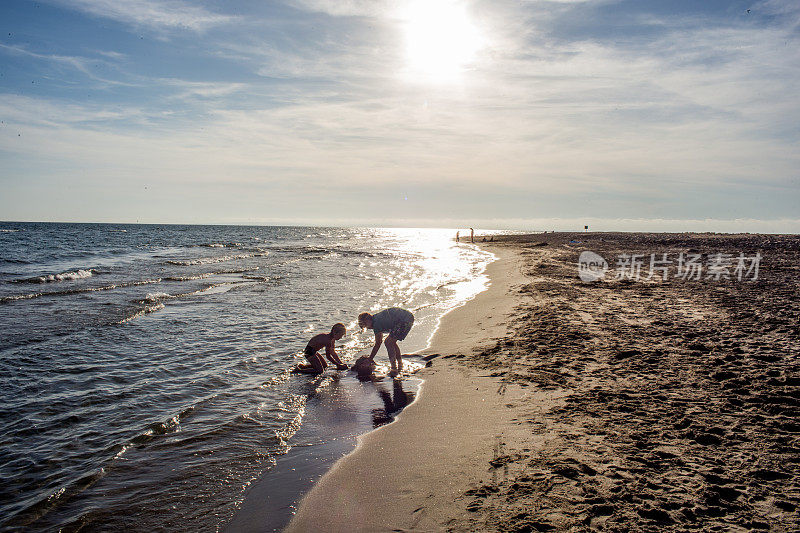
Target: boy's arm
x: 330, y: 353
x: 378, y: 342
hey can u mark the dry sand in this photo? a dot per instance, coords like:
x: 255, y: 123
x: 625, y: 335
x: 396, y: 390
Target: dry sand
x: 554, y: 404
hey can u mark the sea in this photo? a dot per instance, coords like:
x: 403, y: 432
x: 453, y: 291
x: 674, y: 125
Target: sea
x: 145, y: 370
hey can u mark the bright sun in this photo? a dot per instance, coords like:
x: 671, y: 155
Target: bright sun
x: 440, y: 39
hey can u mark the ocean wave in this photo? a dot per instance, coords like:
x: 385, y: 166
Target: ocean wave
x: 240, y: 271
x: 216, y: 288
x: 155, y: 301
x: 16, y: 297
x: 81, y: 482
x: 258, y: 278
x: 63, y: 276
x: 8, y: 230
x: 143, y: 311
x: 189, y: 278
x: 51, y: 499
x: 209, y: 274
x: 173, y: 425
x: 212, y: 260
x: 319, y: 251
x: 219, y: 245
x: 156, y: 296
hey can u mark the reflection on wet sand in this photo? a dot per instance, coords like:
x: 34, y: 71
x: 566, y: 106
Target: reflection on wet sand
x: 392, y: 403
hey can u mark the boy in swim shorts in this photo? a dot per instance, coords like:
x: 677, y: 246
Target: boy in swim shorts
x: 394, y: 321
x: 317, y: 364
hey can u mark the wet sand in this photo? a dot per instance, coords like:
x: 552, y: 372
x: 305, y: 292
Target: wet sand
x: 553, y: 404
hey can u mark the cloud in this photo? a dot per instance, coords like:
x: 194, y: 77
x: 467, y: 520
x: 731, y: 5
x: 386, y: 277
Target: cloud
x: 481, y: 225
x: 85, y: 65
x: 78, y: 63
x: 347, y: 8
x: 788, y: 9
x: 22, y: 112
x: 155, y: 14
x: 200, y: 89
x: 694, y: 120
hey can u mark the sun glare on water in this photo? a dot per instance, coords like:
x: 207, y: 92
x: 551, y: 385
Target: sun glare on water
x: 441, y: 40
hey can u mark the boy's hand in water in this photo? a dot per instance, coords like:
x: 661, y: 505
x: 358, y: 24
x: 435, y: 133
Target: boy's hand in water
x: 342, y: 367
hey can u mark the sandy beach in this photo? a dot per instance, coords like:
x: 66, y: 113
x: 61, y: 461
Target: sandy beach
x: 555, y: 404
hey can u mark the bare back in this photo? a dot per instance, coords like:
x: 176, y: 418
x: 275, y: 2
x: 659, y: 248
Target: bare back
x: 320, y: 341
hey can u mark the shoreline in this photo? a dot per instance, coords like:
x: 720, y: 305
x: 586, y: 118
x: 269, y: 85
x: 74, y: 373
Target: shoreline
x: 446, y: 434
x: 333, y: 429
x: 626, y: 404
x: 329, y: 433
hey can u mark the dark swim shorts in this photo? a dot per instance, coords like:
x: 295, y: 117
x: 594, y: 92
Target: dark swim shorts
x: 310, y: 351
x: 401, y: 329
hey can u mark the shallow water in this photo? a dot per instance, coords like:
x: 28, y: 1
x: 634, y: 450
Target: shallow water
x: 144, y: 370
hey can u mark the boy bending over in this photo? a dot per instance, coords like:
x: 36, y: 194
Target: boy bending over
x: 394, y: 321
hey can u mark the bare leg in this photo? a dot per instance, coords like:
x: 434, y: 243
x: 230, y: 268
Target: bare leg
x: 317, y: 365
x: 398, y: 357
x: 392, y: 350
x: 394, y: 354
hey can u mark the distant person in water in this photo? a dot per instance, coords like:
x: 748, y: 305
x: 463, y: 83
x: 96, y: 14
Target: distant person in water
x: 316, y: 364
x: 394, y: 321
x: 471, y: 235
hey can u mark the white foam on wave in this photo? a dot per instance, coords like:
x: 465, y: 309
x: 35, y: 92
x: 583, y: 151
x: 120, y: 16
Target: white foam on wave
x: 6, y: 299
x: 189, y: 278
x: 209, y: 274
x: 15, y: 297
x: 217, y: 288
x: 212, y: 260
x: 63, y: 276
x: 156, y: 296
x: 240, y: 271
x: 221, y: 245
x: 145, y: 311
x: 8, y: 230
x: 259, y: 278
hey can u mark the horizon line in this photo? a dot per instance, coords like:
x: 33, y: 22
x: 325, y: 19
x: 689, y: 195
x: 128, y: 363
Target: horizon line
x: 790, y: 226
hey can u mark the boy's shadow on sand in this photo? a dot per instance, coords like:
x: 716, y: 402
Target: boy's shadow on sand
x: 393, y: 402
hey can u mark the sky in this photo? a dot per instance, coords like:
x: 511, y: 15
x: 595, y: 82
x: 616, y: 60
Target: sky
x: 640, y: 115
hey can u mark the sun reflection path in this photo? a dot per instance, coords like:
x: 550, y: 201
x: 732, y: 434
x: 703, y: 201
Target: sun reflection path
x: 438, y: 274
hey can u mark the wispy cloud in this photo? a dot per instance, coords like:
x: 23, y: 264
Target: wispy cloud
x: 23, y: 112
x: 84, y: 65
x: 79, y: 63
x: 198, y: 89
x: 348, y: 8
x: 670, y: 117
x: 157, y: 14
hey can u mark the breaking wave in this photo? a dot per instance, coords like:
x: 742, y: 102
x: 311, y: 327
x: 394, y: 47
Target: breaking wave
x: 63, y: 276
x: 29, y: 296
x: 212, y: 260
x: 143, y: 311
x: 156, y: 296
